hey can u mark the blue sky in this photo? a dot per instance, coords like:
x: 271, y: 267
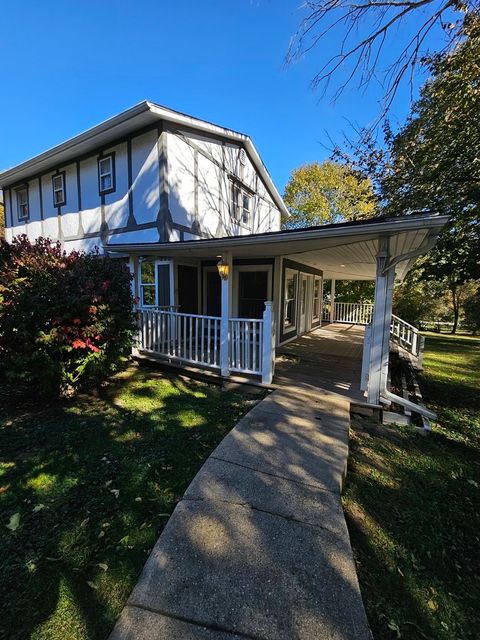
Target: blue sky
x: 69, y: 65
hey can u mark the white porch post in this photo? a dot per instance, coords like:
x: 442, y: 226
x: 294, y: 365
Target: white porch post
x: 224, y: 321
x: 268, y: 345
x: 380, y: 332
x: 332, y: 301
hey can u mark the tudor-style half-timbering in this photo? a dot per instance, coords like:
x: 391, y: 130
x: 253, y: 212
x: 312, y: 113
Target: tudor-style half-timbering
x: 174, y: 178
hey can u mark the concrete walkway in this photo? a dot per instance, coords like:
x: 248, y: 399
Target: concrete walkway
x: 258, y: 548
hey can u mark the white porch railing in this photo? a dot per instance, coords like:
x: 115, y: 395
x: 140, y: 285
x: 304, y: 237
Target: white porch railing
x: 196, y: 339
x: 348, y: 312
x: 187, y: 337
x: 407, y: 336
x: 246, y: 345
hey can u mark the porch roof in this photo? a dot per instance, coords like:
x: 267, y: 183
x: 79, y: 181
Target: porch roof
x: 345, y: 251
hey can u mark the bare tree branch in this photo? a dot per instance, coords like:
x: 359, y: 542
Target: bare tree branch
x: 363, y: 28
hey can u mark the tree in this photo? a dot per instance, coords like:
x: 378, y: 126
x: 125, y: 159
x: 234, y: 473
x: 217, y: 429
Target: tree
x: 472, y: 312
x: 327, y: 193
x: 435, y: 164
x: 365, y: 31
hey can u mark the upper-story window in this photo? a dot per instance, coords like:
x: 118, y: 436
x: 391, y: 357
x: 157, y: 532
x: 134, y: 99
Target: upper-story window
x: 22, y: 203
x: 106, y: 174
x: 58, y: 185
x: 241, y: 205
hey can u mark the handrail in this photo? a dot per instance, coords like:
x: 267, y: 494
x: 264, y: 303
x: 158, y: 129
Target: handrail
x: 178, y: 313
x: 401, y: 321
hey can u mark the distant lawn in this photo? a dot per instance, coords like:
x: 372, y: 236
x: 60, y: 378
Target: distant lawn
x: 413, y: 506
x: 86, y: 487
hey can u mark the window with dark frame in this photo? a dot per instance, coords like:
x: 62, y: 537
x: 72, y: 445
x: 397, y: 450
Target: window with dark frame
x: 106, y: 181
x: 22, y: 203
x: 58, y: 185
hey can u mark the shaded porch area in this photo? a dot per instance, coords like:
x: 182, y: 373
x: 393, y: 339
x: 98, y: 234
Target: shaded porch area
x: 329, y: 358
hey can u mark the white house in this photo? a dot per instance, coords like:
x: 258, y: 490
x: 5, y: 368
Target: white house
x: 193, y: 208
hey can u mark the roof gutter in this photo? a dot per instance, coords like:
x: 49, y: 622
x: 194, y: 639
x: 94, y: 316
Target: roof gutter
x: 393, y: 225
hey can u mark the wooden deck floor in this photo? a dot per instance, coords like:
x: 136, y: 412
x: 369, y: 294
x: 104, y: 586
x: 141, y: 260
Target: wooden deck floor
x: 328, y: 358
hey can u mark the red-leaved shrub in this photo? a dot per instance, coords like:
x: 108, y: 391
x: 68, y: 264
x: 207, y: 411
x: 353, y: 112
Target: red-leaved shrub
x: 66, y: 319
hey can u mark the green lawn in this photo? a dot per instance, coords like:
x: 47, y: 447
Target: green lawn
x: 86, y: 486
x: 413, y: 506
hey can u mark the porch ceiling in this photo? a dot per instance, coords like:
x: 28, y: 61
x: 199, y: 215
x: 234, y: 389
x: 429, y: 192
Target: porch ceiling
x: 342, y: 251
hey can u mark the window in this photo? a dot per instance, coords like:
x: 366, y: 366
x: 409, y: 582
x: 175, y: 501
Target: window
x: 58, y: 184
x: 22, y: 203
x: 316, y: 298
x: 241, y: 205
x: 148, y: 287
x: 246, y: 208
x: 154, y: 284
x: 290, y: 298
x: 106, y: 174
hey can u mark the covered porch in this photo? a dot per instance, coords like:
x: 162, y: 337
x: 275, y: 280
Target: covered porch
x: 245, y: 305
x: 329, y: 357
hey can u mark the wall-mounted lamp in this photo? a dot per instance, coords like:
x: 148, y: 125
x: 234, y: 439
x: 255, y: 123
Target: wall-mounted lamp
x: 223, y: 269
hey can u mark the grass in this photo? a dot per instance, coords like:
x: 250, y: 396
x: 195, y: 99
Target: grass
x: 413, y: 506
x: 86, y: 487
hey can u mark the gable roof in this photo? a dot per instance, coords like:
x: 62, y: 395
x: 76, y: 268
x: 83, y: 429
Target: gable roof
x: 126, y: 122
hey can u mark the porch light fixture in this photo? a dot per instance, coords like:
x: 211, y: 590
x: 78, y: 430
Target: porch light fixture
x: 223, y: 269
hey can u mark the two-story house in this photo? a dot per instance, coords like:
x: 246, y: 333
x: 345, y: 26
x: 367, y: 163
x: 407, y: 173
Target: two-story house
x: 194, y: 210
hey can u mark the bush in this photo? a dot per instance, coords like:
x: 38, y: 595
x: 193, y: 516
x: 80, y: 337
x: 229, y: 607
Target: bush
x: 66, y: 320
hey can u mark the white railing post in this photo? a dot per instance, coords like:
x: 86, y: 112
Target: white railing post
x: 224, y: 321
x: 332, y: 301
x: 367, y: 344
x: 268, y: 347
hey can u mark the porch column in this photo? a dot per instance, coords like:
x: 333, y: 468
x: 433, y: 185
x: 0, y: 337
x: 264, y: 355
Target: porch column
x: 226, y: 291
x: 332, y: 301
x: 380, y: 332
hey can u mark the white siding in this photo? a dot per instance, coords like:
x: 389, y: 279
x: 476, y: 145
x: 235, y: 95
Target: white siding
x: 91, y: 209
x: 146, y: 177
x: 116, y: 203
x: 199, y: 172
x: 69, y: 212
x: 181, y: 179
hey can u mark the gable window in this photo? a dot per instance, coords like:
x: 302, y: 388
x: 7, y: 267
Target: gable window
x: 58, y: 185
x: 22, y: 203
x: 241, y: 205
x: 106, y: 174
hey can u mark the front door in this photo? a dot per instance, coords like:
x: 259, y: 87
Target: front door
x: 187, y: 288
x: 303, y: 304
